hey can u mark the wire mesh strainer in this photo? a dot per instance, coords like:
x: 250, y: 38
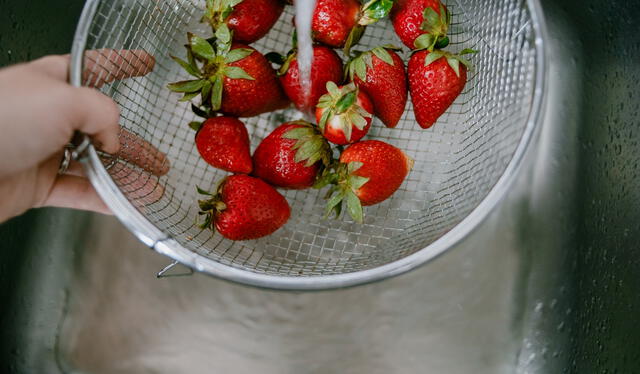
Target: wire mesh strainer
x: 463, y: 164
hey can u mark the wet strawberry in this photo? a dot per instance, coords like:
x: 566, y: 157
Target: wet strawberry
x: 380, y: 74
x: 341, y: 23
x: 223, y: 142
x: 233, y: 79
x: 369, y: 172
x: 344, y: 114
x: 435, y: 81
x: 326, y: 67
x: 421, y: 23
x: 291, y: 156
x: 244, y: 208
x: 249, y: 20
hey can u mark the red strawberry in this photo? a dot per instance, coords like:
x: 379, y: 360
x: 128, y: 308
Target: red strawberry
x: 421, y: 23
x: 339, y: 23
x: 369, y: 172
x: 380, y: 74
x: 223, y: 142
x: 326, y: 67
x: 243, y: 208
x: 235, y: 80
x: 344, y: 114
x: 249, y: 20
x: 291, y: 156
x: 435, y: 80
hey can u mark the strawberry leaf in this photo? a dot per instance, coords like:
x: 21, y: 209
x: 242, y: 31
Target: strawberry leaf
x: 455, y: 65
x: 360, y: 69
x: 424, y: 41
x: 195, y: 125
x: 186, y: 86
x: 467, y: 51
x: 354, y: 207
x: 296, y: 133
x: 383, y: 54
x: 187, y: 66
x: 345, y: 125
x: 203, y: 191
x: 334, y: 204
x: 223, y: 34
x: 325, y: 117
x: 189, y: 96
x: 431, y: 21
x: 332, y: 88
x: 236, y: 72
x: 354, y: 37
x: 432, y: 56
x: 346, y: 101
x: 216, y: 94
x: 375, y: 10
x: 353, y: 166
x: 357, y: 120
x: 206, y: 90
x: 237, y: 54
x: 356, y: 181
x: 201, y: 47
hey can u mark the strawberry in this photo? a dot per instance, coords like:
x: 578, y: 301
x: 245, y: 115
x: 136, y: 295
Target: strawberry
x: 344, y: 114
x: 326, y: 67
x: 341, y: 23
x: 223, y: 142
x: 233, y: 79
x: 243, y: 208
x: 421, y: 23
x: 249, y: 20
x: 380, y: 74
x: 368, y: 173
x: 435, y: 80
x: 291, y: 156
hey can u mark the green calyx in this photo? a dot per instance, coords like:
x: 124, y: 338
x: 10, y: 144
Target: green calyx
x: 374, y: 10
x: 453, y: 60
x: 436, y: 25
x: 362, y: 61
x: 210, y: 207
x: 310, y: 145
x: 218, y: 11
x: 209, y: 64
x: 344, y: 186
x: 342, y: 103
x: 371, y: 12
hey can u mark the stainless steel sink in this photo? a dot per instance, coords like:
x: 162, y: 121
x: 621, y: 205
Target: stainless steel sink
x: 550, y: 283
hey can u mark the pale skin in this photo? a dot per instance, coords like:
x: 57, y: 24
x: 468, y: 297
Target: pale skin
x: 39, y: 113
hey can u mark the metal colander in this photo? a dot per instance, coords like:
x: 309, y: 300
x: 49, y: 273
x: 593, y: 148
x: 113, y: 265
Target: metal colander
x: 463, y: 164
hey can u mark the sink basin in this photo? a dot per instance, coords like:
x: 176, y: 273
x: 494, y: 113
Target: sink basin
x: 549, y: 283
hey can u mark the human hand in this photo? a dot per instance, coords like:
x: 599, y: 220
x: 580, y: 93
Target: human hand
x: 39, y: 113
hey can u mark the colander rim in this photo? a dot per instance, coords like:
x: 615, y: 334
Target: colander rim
x: 154, y: 238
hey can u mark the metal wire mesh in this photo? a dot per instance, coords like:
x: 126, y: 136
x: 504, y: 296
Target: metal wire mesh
x: 458, y: 160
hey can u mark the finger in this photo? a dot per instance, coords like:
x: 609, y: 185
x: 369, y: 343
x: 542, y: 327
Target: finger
x: 107, y: 65
x: 74, y: 192
x: 142, y: 153
x: 101, y: 66
x: 96, y: 115
x: 140, y: 187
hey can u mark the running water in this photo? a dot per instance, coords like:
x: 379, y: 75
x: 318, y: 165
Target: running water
x: 304, y: 15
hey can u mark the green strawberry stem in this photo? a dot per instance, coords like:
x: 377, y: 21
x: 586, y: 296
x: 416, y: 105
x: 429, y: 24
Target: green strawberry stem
x: 453, y: 60
x: 210, y: 207
x: 344, y: 185
x: 436, y: 25
x: 217, y: 12
x: 362, y: 61
x: 208, y: 61
x: 310, y: 145
x: 342, y: 102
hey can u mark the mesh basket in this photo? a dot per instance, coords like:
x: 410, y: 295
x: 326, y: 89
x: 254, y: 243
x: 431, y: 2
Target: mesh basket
x: 463, y: 164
